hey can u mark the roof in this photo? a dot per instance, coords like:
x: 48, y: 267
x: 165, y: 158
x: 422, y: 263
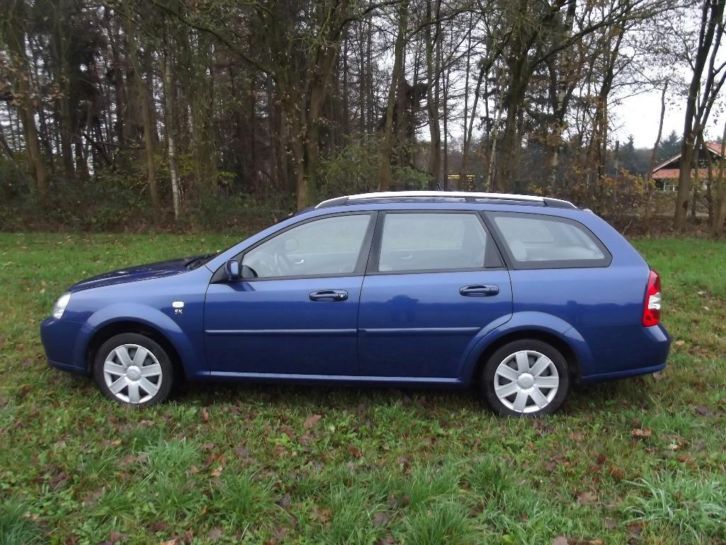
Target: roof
x: 674, y: 173
x: 445, y: 196
x: 714, y: 147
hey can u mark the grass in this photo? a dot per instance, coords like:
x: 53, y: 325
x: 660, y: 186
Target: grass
x: 640, y: 461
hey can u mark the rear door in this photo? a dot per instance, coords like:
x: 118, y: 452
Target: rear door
x: 435, y: 279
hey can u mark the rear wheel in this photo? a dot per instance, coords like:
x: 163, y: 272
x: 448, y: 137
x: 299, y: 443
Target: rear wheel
x: 133, y: 369
x: 527, y: 377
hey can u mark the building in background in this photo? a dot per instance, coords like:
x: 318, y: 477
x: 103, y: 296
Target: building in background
x: 666, y: 174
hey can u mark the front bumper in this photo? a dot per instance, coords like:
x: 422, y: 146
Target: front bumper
x: 59, y: 338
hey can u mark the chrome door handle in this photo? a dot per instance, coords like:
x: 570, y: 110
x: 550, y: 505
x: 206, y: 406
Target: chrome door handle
x: 329, y: 295
x: 479, y: 290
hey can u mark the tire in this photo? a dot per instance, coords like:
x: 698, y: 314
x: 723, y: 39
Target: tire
x: 134, y: 370
x: 510, y: 390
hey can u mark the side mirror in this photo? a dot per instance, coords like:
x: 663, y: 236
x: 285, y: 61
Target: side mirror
x: 233, y: 270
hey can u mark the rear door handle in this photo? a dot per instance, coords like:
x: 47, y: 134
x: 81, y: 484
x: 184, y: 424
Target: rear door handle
x: 479, y: 290
x: 329, y: 295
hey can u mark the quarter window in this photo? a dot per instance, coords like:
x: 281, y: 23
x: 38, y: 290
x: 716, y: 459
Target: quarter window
x: 538, y: 241
x: 434, y: 242
x: 328, y: 246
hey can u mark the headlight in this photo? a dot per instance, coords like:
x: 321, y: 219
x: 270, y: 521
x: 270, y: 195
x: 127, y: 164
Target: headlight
x: 60, y: 305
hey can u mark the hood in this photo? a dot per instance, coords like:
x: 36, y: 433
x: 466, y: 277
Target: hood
x: 138, y: 272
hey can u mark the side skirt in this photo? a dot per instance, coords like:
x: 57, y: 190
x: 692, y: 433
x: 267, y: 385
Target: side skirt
x: 344, y: 379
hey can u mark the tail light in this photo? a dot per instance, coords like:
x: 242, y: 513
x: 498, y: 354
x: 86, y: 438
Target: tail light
x: 651, y: 304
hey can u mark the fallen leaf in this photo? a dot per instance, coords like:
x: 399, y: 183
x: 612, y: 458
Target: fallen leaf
x: 242, y: 452
x: 617, y: 473
x: 92, y: 497
x: 311, y: 420
x: 285, y: 501
x: 355, y: 451
x: 641, y: 433
x: 586, y: 498
x: 216, y: 472
x: 381, y: 519
x: 322, y: 515
x: 113, y: 539
x: 215, y: 533
x: 396, y: 502
x: 634, y: 530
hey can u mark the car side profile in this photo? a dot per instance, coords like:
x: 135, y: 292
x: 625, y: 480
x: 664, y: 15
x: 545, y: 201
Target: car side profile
x: 519, y: 296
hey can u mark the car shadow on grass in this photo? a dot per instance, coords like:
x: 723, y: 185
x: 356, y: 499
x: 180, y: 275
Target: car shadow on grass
x: 583, y: 399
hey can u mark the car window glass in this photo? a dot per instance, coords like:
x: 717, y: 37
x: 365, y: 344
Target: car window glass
x: 326, y: 246
x: 540, y: 239
x: 431, y: 241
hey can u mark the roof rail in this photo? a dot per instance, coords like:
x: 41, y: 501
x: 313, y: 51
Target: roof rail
x: 468, y: 196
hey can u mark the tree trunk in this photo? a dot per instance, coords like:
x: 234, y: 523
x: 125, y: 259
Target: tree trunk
x: 711, y: 16
x: 385, y: 180
x: 170, y: 139
x: 15, y: 34
x: 432, y: 93
x: 649, y: 181
x: 719, y: 191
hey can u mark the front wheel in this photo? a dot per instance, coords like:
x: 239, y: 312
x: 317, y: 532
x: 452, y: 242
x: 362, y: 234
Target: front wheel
x: 525, y: 378
x: 133, y: 369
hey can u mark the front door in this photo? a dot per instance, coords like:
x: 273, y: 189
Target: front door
x: 436, y: 279
x: 296, y: 311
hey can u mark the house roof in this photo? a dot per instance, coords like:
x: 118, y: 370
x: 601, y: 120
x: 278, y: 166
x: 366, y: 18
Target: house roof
x: 673, y: 173
x: 714, y: 147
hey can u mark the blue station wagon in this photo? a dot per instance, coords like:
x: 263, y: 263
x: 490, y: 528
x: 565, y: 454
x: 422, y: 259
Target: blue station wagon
x: 519, y: 296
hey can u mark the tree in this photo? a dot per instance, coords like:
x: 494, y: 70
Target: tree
x: 13, y: 33
x: 702, y: 93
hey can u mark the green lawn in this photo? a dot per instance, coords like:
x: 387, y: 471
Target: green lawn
x: 639, y: 461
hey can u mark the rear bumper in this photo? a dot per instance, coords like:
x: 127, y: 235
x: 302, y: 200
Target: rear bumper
x: 59, y: 342
x: 623, y: 374
x: 652, y: 350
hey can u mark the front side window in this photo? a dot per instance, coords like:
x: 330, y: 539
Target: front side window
x: 539, y: 241
x: 327, y: 246
x: 428, y: 241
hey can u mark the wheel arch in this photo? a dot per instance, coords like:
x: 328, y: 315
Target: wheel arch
x: 105, y: 332
x: 556, y: 341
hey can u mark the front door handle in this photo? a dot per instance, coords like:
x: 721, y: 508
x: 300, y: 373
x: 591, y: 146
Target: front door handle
x: 479, y: 290
x: 329, y: 295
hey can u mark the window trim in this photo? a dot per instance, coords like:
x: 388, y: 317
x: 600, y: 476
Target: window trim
x: 514, y: 264
x: 360, y: 264
x: 375, y: 251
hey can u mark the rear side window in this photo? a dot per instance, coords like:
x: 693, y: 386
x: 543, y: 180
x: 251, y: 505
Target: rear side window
x: 430, y: 241
x: 539, y: 241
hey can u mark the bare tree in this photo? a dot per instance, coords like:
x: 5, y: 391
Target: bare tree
x: 702, y: 93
